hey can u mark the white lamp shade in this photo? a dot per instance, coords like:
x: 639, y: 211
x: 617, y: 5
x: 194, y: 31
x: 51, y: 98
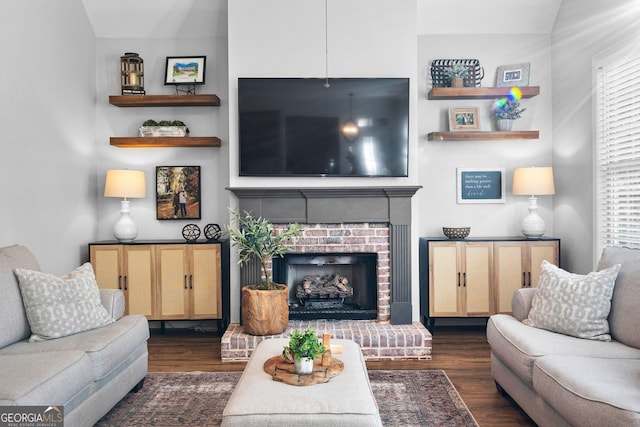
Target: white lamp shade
x: 125, y: 183
x: 533, y: 181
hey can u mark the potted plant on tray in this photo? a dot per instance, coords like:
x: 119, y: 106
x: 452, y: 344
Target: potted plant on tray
x: 303, y: 349
x: 457, y: 73
x: 265, y: 306
x: 507, y: 110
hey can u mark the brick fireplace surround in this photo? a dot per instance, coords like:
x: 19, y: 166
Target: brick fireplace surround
x: 345, y: 220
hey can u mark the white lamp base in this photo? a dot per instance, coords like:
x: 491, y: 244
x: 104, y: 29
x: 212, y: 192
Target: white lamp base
x: 125, y: 229
x: 533, y: 225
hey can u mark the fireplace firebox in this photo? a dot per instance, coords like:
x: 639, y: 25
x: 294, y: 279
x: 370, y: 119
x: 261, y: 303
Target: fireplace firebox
x: 329, y: 285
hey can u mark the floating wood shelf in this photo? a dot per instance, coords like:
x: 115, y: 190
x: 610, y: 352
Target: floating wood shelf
x: 479, y: 92
x: 165, y: 100
x: 165, y: 141
x: 482, y: 136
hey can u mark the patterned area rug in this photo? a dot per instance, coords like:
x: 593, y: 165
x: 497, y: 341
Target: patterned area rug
x: 405, y: 398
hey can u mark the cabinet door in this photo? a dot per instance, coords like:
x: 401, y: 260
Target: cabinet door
x: 107, y: 265
x: 509, y: 272
x: 173, y: 282
x: 444, y: 279
x: 205, y: 282
x: 538, y: 252
x: 139, y: 279
x: 476, y: 280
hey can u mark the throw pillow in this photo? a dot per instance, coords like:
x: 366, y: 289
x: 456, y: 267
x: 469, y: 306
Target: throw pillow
x: 61, y: 306
x: 573, y: 304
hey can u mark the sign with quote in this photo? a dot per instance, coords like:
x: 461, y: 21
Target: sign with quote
x: 481, y: 185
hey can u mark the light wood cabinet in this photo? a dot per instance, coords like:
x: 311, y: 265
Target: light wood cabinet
x: 517, y: 265
x: 131, y: 269
x: 477, y: 277
x: 460, y: 277
x: 189, y: 282
x: 166, y: 280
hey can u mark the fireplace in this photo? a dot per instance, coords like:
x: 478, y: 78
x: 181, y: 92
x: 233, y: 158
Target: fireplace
x: 334, y: 218
x: 329, y: 285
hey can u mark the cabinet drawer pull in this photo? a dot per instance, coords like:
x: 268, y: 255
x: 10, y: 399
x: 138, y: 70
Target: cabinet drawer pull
x: 529, y: 279
x: 120, y: 282
x: 124, y: 279
x: 524, y: 279
x: 464, y: 279
x: 458, y: 279
x: 185, y: 281
x: 191, y: 281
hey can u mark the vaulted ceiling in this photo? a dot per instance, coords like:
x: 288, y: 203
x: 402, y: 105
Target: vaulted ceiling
x: 208, y: 18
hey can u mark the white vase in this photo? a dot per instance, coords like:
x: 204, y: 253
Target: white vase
x: 504, y: 125
x: 303, y: 366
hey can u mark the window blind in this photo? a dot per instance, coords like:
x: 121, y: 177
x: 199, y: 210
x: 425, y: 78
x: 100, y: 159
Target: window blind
x: 618, y: 152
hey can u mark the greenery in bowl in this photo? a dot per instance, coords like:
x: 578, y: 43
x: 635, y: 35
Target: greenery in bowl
x: 456, y: 71
x: 302, y: 345
x: 507, y: 108
x: 152, y: 122
x: 256, y: 237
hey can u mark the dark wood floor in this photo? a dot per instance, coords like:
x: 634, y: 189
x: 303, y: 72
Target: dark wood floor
x: 463, y: 353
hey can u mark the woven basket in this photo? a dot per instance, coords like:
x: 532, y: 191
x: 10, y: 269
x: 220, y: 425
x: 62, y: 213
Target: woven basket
x: 440, y: 79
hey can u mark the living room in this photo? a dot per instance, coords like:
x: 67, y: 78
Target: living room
x: 56, y: 150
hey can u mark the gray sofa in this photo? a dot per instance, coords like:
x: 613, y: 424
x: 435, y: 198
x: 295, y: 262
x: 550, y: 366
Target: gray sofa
x: 87, y: 373
x: 562, y: 380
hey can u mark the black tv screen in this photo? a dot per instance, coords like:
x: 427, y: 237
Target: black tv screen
x: 294, y: 127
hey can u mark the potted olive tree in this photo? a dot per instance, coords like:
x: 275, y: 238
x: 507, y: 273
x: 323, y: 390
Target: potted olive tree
x: 302, y: 350
x: 265, y: 306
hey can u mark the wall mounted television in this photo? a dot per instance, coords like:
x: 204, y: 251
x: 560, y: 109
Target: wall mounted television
x: 292, y: 127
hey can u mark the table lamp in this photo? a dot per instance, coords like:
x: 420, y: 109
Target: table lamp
x: 126, y: 184
x: 533, y: 182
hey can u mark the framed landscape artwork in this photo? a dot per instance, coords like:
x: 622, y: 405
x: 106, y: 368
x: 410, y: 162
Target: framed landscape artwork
x: 185, y: 70
x: 178, y: 192
x: 479, y: 185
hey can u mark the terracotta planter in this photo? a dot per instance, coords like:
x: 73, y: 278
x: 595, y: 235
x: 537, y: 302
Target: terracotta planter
x: 265, y: 312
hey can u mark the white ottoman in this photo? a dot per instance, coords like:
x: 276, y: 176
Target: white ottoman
x: 346, y: 400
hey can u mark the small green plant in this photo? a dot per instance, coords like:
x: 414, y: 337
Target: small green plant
x: 255, y: 237
x: 302, y: 345
x: 456, y: 71
x: 152, y: 122
x: 507, y: 108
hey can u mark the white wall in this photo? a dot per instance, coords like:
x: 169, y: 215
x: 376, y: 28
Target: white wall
x: 438, y: 160
x: 286, y: 38
x: 47, y: 143
x: 201, y: 121
x: 583, y: 30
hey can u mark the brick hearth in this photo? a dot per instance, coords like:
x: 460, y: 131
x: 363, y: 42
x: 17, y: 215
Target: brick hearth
x: 378, y: 340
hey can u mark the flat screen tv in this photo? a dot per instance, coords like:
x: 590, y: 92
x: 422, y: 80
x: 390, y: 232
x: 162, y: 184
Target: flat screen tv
x: 294, y: 127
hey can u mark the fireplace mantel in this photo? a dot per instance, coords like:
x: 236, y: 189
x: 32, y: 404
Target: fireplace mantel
x: 336, y: 205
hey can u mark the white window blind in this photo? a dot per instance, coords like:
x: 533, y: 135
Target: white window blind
x: 618, y: 152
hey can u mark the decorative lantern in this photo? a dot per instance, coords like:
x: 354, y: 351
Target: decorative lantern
x: 132, y: 74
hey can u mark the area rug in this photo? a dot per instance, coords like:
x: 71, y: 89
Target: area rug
x: 405, y: 398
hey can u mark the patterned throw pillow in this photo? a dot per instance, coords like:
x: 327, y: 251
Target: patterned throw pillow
x: 573, y: 304
x: 61, y: 306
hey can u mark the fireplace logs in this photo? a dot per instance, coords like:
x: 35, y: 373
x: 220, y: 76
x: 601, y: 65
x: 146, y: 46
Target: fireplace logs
x: 324, y: 291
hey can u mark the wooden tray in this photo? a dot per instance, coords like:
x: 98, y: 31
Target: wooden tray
x: 283, y: 371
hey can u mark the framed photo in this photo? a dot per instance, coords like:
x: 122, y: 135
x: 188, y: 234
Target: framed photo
x: 513, y: 75
x: 480, y: 185
x: 178, y: 192
x: 464, y: 119
x: 185, y: 70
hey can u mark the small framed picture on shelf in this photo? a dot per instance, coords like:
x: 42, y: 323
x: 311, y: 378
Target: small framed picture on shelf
x: 464, y: 119
x: 178, y: 192
x: 185, y: 70
x: 513, y: 75
x: 481, y: 185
